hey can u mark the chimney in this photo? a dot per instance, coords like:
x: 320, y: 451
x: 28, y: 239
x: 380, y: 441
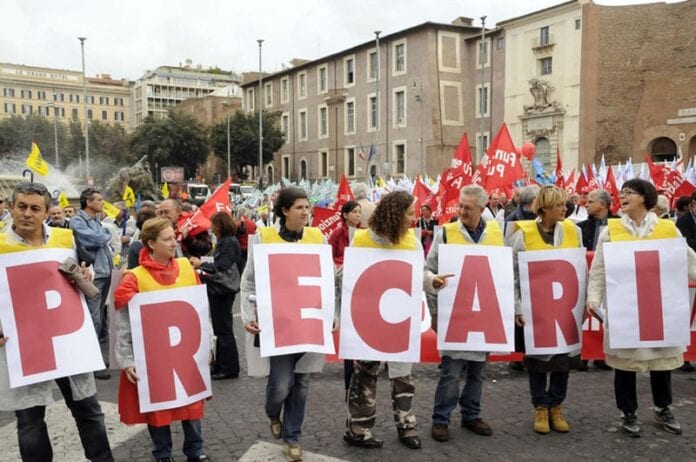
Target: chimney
x: 463, y: 21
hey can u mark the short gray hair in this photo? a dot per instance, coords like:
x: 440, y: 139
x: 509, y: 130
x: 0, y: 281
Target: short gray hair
x: 662, y: 204
x: 602, y: 196
x: 476, y: 191
x: 242, y: 211
x: 528, y: 194
x: 360, y: 191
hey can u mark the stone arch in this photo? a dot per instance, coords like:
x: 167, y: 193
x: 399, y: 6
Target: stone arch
x: 662, y: 149
x: 304, y: 168
x: 691, y: 149
x: 543, y: 152
x: 270, y: 174
x: 373, y: 172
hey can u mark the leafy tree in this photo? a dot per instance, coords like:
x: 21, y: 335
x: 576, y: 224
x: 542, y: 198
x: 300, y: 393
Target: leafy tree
x: 17, y: 134
x: 244, y: 139
x: 178, y: 140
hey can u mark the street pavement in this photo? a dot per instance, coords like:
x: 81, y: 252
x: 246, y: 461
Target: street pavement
x: 235, y: 427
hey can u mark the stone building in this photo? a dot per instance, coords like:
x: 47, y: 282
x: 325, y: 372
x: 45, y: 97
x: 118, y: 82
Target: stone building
x: 411, y: 95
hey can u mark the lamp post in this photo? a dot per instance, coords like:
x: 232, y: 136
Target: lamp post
x: 482, y: 109
x: 84, y: 106
x: 228, y: 146
x: 260, y: 119
x: 375, y: 136
x: 52, y: 104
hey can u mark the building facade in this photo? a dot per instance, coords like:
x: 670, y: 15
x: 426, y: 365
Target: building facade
x: 407, y: 98
x: 160, y: 90
x: 28, y: 90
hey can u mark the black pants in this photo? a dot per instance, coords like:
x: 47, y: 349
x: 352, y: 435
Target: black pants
x: 32, y: 434
x: 226, y: 354
x: 625, y: 389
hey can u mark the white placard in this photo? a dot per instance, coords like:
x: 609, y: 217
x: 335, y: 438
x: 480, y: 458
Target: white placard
x: 476, y: 267
x: 553, y: 304
x: 175, y: 316
x: 57, y: 329
x: 381, y: 304
x: 295, y: 298
x: 669, y: 291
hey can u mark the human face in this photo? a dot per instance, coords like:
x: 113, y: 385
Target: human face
x: 353, y: 217
x: 96, y: 204
x: 426, y: 213
x: 494, y: 201
x: 28, y: 214
x: 469, y: 211
x: 56, y: 214
x: 595, y: 208
x: 164, y: 247
x: 555, y: 213
x: 69, y: 211
x: 409, y: 216
x: 297, y: 215
x: 631, y: 201
x: 167, y: 209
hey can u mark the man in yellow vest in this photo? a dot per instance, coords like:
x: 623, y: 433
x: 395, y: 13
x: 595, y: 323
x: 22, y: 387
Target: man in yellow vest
x: 30, y: 203
x: 470, y: 229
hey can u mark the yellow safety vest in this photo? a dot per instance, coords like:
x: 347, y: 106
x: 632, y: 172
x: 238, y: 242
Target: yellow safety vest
x: 665, y: 229
x: 270, y: 235
x: 493, y: 235
x: 362, y: 238
x: 534, y: 241
x: 58, y: 238
x: 147, y: 283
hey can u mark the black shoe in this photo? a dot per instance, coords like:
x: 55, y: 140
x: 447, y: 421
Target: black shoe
x: 197, y: 459
x: 602, y: 365
x: 687, y: 367
x: 411, y: 442
x: 361, y: 442
x: 223, y: 376
x: 517, y: 366
x: 583, y: 366
x: 102, y: 374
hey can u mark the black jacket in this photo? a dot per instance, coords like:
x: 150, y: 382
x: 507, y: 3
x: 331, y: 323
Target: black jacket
x: 687, y: 226
x: 589, y: 231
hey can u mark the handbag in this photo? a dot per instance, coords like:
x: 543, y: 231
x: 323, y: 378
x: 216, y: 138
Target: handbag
x: 223, y: 282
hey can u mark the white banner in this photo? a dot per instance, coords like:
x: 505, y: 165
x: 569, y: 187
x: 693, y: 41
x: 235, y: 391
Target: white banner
x: 381, y: 304
x: 647, y: 293
x: 295, y: 298
x: 171, y: 345
x: 476, y: 311
x: 552, y: 289
x: 45, y: 318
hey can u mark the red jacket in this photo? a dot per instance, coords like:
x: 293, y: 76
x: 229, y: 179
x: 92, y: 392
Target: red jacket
x: 249, y: 230
x: 128, y: 404
x: 339, y: 240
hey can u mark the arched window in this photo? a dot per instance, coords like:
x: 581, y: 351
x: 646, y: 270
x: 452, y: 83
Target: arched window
x: 269, y: 175
x: 543, y: 153
x: 662, y: 149
x: 303, y: 169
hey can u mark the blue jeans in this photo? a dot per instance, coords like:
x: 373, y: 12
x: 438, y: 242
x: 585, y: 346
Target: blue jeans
x: 32, y: 434
x: 557, y: 387
x: 286, y: 391
x: 97, y: 304
x: 447, y: 392
x: 162, y: 439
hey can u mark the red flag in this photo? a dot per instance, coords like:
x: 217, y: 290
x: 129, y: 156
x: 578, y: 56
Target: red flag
x: 219, y: 201
x: 592, y: 180
x: 559, y: 169
x: 423, y: 195
x: 462, y: 159
x: 344, y: 193
x: 657, y: 173
x: 613, y: 190
x: 581, y: 185
x: 501, y: 166
x: 327, y: 220
x: 447, y: 197
x: 569, y: 183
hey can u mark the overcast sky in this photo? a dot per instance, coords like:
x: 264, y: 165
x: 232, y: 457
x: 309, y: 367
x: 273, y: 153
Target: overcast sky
x: 127, y: 37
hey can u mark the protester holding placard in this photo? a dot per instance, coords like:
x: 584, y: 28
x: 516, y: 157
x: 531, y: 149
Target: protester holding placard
x: 389, y: 228
x: 637, y: 223
x: 339, y: 240
x: 30, y: 203
x: 548, y: 374
x: 470, y: 229
x: 158, y: 269
x: 288, y: 380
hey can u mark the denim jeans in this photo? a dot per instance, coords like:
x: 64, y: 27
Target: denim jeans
x: 286, y: 391
x: 226, y: 354
x: 557, y: 387
x: 162, y: 439
x: 447, y: 392
x: 32, y: 434
x: 97, y: 305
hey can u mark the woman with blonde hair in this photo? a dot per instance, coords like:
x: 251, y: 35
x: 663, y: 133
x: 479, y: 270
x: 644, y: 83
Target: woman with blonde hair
x: 548, y: 374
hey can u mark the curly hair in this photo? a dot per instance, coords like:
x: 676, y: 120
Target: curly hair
x: 388, y: 219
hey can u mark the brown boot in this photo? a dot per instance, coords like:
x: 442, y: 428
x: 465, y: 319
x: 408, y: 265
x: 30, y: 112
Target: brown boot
x: 558, y: 423
x: 440, y: 432
x: 541, y: 420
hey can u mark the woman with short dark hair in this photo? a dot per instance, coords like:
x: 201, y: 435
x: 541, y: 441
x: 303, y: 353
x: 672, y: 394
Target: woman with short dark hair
x: 339, y: 240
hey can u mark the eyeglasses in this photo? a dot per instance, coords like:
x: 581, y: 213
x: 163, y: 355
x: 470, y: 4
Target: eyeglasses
x: 628, y: 192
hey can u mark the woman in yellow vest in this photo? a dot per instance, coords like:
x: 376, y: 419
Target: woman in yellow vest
x: 548, y: 374
x: 637, y: 222
x: 158, y: 270
x: 288, y: 380
x: 389, y: 228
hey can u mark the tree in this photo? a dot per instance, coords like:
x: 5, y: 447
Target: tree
x: 177, y: 140
x: 244, y: 139
x: 17, y: 133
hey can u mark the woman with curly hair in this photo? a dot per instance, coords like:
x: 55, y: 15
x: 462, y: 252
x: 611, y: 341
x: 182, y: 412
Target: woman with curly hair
x: 389, y: 228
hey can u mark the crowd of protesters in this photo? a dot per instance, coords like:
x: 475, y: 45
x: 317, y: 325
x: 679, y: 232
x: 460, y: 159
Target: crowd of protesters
x: 154, y: 250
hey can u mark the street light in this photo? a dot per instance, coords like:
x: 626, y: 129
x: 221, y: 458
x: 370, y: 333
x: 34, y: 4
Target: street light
x: 260, y: 119
x: 52, y: 104
x: 84, y: 106
x: 482, y: 109
x: 228, y: 146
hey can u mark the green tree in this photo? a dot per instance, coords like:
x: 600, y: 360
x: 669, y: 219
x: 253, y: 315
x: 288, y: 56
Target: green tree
x: 17, y: 133
x: 244, y: 139
x: 177, y: 140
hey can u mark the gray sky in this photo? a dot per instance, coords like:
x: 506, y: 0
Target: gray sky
x: 127, y: 37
